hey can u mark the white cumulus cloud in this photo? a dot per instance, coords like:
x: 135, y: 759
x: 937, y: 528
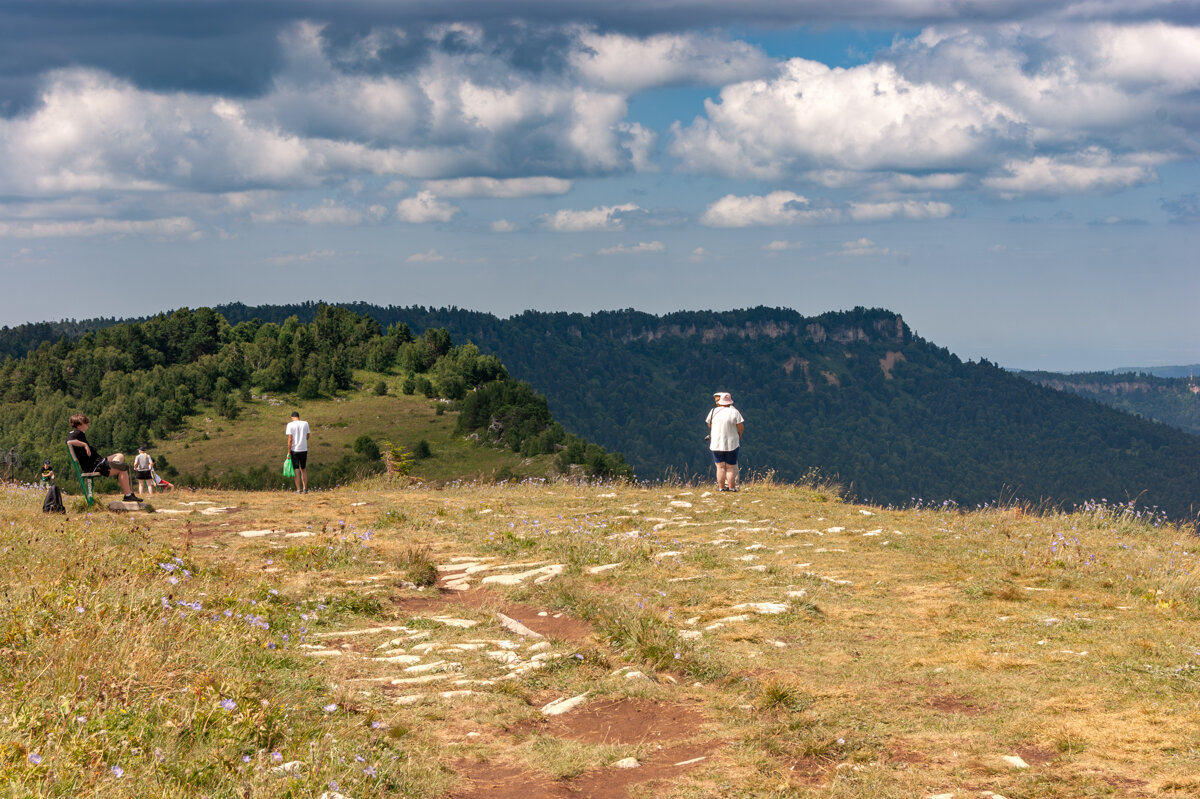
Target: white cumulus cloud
x: 604, y: 217
x: 861, y: 247
x: 425, y: 207
x: 906, y: 209
x: 629, y: 63
x: 496, y: 187
x: 869, y: 117
x: 432, y: 256
x: 1092, y: 170
x: 780, y: 245
x: 776, y: 208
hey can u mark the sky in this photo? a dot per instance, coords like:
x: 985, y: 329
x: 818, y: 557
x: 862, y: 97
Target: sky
x: 1019, y: 179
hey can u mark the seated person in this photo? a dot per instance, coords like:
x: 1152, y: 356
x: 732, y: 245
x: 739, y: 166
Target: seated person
x: 92, y: 461
x: 47, y: 473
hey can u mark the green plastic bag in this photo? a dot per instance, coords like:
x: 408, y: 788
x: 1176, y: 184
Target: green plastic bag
x: 288, y: 471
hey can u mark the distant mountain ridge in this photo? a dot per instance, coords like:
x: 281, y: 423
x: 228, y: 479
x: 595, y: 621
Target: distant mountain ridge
x: 854, y: 394
x: 1171, y: 400
x: 1189, y: 370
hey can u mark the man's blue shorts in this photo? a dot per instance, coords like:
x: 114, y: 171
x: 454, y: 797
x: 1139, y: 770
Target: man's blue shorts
x: 729, y: 457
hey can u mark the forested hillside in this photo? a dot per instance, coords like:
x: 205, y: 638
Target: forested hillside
x: 139, y: 381
x: 1173, y: 400
x: 854, y: 394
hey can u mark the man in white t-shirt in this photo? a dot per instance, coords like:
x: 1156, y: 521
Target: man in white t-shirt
x: 727, y: 426
x: 298, y: 435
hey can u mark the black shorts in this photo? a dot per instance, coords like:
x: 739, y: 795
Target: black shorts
x: 300, y: 460
x: 106, y: 467
x: 726, y: 456
x: 143, y: 474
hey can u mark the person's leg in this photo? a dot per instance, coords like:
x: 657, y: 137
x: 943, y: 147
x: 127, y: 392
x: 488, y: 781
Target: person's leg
x: 296, y: 475
x: 731, y: 475
x: 304, y: 479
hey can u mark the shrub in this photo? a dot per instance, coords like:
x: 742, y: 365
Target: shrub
x: 381, y: 388
x: 309, y: 388
x: 365, y: 445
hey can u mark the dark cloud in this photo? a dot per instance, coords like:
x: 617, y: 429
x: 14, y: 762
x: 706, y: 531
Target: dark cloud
x: 224, y: 47
x: 231, y: 47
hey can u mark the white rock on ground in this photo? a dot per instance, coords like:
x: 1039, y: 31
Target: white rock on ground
x: 601, y: 569
x: 512, y: 625
x: 462, y: 624
x: 406, y: 659
x: 628, y: 762
x: 290, y: 767
x: 764, y: 608
x: 564, y: 705
x: 1015, y: 761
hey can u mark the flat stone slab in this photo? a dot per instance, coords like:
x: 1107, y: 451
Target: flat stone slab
x: 564, y: 705
x: 514, y: 626
x: 125, y: 507
x: 601, y: 569
x: 765, y: 608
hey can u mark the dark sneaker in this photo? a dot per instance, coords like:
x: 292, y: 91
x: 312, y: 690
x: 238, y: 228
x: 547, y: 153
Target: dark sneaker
x: 132, y: 498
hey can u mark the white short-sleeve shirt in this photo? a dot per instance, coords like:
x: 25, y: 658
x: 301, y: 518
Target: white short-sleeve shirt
x: 298, y: 430
x: 724, y: 421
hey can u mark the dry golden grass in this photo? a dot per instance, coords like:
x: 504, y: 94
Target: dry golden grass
x: 911, y: 651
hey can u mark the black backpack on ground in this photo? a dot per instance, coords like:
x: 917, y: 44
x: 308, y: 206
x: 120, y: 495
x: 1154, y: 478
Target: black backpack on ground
x: 53, y: 502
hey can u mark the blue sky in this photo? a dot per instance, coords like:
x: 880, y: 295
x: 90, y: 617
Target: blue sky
x: 1018, y: 179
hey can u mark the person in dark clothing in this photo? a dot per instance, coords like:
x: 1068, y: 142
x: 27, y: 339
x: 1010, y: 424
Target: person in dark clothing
x: 92, y: 461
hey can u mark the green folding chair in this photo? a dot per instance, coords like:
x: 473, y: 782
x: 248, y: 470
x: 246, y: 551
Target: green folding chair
x: 85, y: 478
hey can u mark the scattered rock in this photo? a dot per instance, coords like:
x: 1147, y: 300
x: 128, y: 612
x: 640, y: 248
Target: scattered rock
x: 764, y: 608
x: 628, y: 762
x: 290, y: 767
x: 1015, y: 761
x: 256, y: 533
x: 601, y: 569
x: 560, y: 706
x: 512, y: 625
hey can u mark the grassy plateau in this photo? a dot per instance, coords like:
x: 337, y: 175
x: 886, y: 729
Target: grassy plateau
x: 775, y: 642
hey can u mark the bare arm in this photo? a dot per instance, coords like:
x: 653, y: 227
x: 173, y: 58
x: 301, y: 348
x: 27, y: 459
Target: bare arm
x: 289, y: 442
x: 741, y: 429
x: 77, y: 444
